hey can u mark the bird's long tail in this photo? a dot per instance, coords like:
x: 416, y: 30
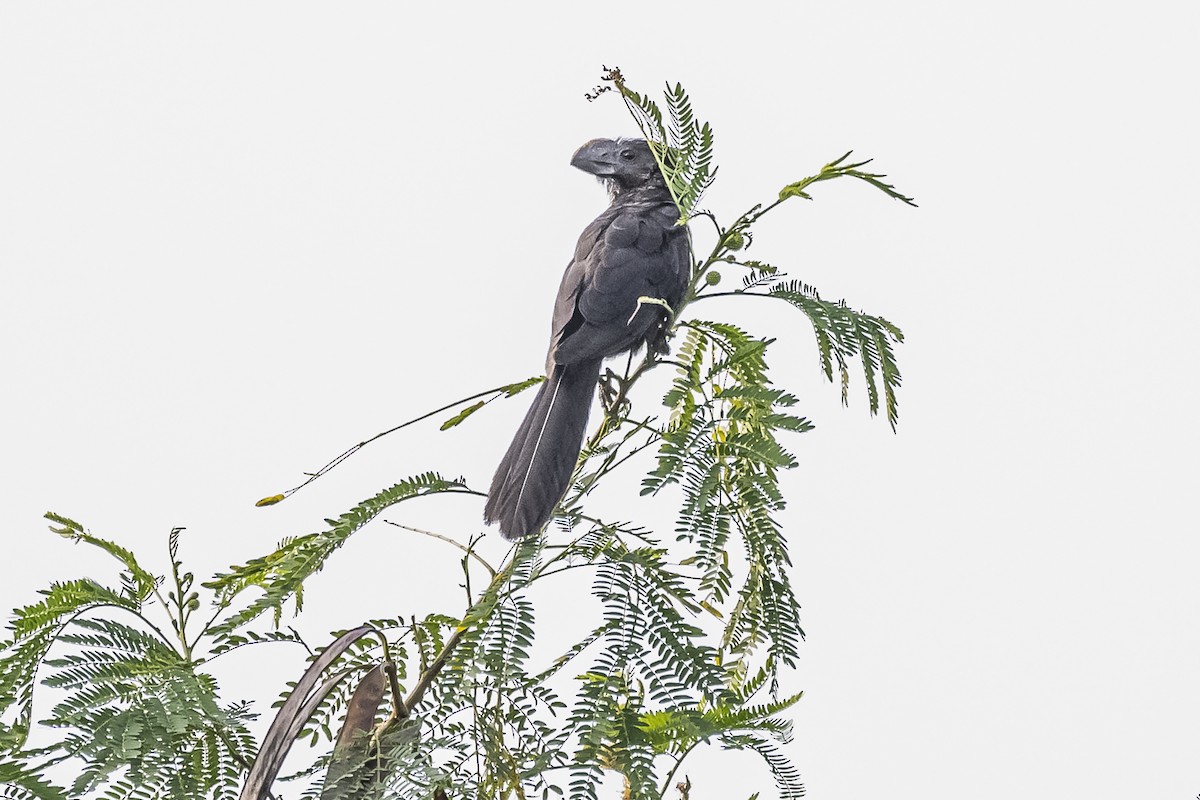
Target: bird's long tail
x: 534, y: 473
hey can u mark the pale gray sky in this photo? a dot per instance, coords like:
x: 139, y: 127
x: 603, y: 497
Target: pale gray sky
x: 237, y: 238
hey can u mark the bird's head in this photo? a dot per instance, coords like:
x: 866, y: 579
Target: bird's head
x: 623, y: 164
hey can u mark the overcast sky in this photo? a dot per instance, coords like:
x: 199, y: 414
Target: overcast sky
x: 237, y: 238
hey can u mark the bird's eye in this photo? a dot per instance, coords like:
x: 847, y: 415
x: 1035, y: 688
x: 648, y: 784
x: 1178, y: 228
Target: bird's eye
x: 627, y: 155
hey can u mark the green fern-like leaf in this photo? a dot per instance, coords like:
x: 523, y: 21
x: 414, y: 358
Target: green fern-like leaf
x: 281, y: 574
x: 141, y: 583
x: 683, y: 147
x: 35, y: 629
x: 844, y: 334
x: 19, y: 782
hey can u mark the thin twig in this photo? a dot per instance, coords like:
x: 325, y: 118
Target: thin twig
x: 470, y: 552
x: 498, y: 392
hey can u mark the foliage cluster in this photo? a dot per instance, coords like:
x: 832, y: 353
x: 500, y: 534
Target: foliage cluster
x: 694, y: 631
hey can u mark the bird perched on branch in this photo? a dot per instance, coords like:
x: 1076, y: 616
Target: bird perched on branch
x: 628, y: 262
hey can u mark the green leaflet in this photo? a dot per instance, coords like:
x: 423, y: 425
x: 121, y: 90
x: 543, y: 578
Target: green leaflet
x: 838, y: 169
x: 461, y: 415
x: 513, y: 389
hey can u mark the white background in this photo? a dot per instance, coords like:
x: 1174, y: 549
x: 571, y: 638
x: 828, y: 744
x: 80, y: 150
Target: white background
x: 237, y: 238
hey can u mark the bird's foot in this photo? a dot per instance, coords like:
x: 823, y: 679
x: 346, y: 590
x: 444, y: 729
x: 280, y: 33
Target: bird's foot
x: 610, y: 389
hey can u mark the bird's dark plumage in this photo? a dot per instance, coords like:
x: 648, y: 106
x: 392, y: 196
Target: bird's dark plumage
x: 633, y: 250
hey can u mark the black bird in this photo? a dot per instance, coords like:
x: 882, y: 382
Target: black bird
x: 634, y: 250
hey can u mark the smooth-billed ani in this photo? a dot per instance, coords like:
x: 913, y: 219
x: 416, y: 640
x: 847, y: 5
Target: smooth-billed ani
x: 634, y: 250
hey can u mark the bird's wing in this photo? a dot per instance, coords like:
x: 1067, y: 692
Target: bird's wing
x: 633, y: 252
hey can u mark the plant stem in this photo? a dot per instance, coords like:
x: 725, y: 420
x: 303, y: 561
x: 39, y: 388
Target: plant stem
x: 430, y: 673
x: 671, y: 774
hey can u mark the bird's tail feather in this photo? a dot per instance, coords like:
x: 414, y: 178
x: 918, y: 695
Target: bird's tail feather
x: 534, y: 473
